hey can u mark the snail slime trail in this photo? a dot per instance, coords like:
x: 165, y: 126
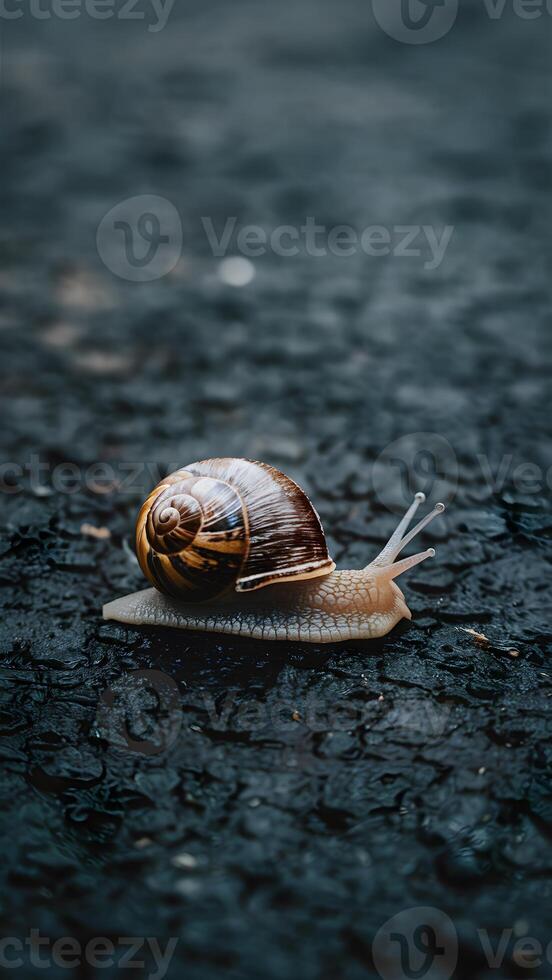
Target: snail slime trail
x: 234, y: 546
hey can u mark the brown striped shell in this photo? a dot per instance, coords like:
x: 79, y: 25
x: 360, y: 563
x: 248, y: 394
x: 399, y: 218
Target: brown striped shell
x: 228, y: 523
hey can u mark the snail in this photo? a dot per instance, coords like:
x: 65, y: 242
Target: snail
x: 233, y: 546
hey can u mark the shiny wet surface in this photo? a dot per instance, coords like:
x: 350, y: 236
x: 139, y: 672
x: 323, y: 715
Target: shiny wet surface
x: 273, y: 806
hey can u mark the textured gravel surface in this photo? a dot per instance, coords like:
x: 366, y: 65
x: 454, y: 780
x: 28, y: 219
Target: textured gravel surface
x: 273, y: 806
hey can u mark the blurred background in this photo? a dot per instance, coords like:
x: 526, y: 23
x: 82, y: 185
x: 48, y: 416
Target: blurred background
x: 315, y: 234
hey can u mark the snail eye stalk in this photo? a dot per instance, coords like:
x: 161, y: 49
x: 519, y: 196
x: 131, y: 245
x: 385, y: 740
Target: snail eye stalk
x: 398, y: 567
x: 400, y: 539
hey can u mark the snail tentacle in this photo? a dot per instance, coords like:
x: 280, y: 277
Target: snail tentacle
x: 399, y: 539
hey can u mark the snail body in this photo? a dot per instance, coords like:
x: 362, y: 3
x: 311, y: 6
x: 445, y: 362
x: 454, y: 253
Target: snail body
x: 232, y: 546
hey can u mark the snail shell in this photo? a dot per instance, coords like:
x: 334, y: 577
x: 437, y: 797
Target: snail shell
x: 224, y: 524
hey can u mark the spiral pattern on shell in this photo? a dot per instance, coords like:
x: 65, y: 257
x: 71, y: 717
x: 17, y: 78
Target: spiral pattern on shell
x: 191, y: 536
x: 174, y: 520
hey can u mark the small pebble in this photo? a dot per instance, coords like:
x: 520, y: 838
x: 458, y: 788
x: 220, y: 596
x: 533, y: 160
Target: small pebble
x: 479, y: 638
x: 100, y: 533
x: 185, y: 860
x: 236, y: 271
